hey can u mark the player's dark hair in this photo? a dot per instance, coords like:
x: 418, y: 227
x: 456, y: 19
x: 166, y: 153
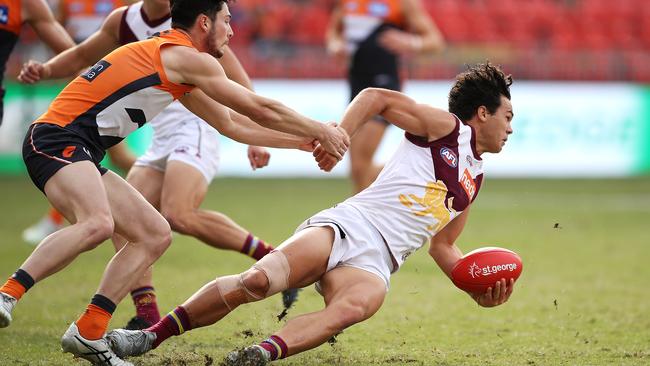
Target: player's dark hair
x: 184, y: 12
x: 480, y: 85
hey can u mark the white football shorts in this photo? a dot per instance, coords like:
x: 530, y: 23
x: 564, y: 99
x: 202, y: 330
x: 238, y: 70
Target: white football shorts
x: 192, y: 141
x: 357, y: 243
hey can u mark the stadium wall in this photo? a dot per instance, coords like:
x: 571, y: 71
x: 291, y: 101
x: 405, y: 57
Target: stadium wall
x: 561, y: 129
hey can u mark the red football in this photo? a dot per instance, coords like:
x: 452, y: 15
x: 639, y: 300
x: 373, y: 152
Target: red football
x: 483, y: 267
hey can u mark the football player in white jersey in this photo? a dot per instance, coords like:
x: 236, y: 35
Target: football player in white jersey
x: 422, y: 196
x: 175, y: 171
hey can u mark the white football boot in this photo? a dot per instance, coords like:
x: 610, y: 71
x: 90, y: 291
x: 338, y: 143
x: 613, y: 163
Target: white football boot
x: 249, y: 356
x: 97, y: 351
x: 7, y: 303
x: 130, y: 342
x: 40, y: 230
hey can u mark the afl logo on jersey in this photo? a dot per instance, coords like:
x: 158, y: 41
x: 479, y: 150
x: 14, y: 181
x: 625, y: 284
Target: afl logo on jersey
x: 4, y: 14
x: 449, y: 157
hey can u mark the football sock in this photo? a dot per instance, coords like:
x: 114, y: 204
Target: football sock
x: 55, y: 216
x: 255, y: 248
x: 175, y: 323
x: 18, y: 284
x: 276, y: 346
x: 93, y: 322
x: 144, y: 299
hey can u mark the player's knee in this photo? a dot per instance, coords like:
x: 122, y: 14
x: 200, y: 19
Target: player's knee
x: 97, y: 229
x: 276, y: 269
x: 256, y: 282
x: 180, y: 222
x: 159, y: 238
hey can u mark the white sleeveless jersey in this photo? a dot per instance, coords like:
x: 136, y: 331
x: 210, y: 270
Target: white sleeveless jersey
x: 135, y: 26
x: 421, y: 189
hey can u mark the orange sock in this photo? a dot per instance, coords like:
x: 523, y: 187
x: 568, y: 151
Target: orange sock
x: 55, y: 216
x: 13, y: 288
x: 93, y: 322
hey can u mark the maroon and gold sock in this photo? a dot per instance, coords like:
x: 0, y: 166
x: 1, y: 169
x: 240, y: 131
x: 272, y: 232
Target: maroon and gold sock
x: 144, y: 299
x: 276, y: 347
x: 94, y: 321
x: 255, y: 248
x: 175, y: 323
x: 18, y: 284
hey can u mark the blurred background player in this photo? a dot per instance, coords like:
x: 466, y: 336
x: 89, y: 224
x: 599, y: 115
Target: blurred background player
x: 351, y: 250
x: 81, y: 18
x: 36, y: 13
x: 183, y: 157
x: 371, y: 36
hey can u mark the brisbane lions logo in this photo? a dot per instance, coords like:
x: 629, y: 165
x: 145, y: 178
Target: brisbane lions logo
x: 449, y: 157
x: 474, y: 270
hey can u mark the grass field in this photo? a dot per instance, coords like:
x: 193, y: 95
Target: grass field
x: 582, y: 298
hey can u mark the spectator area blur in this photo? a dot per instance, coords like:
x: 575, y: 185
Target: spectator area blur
x: 534, y: 39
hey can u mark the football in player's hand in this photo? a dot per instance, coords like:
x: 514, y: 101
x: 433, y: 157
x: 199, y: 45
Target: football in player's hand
x: 483, y: 267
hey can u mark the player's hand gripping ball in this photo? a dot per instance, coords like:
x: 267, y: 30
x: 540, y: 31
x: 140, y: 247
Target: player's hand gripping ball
x: 483, y: 267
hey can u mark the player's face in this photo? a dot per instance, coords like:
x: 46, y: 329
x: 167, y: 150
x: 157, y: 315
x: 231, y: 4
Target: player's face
x: 220, y: 32
x: 498, y: 126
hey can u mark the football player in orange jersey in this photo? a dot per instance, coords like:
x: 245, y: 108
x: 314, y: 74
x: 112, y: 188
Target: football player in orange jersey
x: 120, y: 93
x: 182, y: 159
x: 370, y: 36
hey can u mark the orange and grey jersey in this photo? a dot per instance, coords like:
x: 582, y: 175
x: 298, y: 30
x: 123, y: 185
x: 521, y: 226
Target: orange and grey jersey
x: 421, y: 189
x: 120, y: 93
x: 136, y: 26
x: 10, y: 23
x: 363, y: 23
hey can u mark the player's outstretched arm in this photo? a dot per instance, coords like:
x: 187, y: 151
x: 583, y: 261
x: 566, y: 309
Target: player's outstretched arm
x: 397, y: 108
x: 187, y: 65
x: 400, y: 110
x: 72, y: 60
x: 238, y: 127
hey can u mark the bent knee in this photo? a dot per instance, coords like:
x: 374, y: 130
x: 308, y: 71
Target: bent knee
x: 158, y: 238
x: 97, y: 229
x: 181, y: 222
x: 256, y: 282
